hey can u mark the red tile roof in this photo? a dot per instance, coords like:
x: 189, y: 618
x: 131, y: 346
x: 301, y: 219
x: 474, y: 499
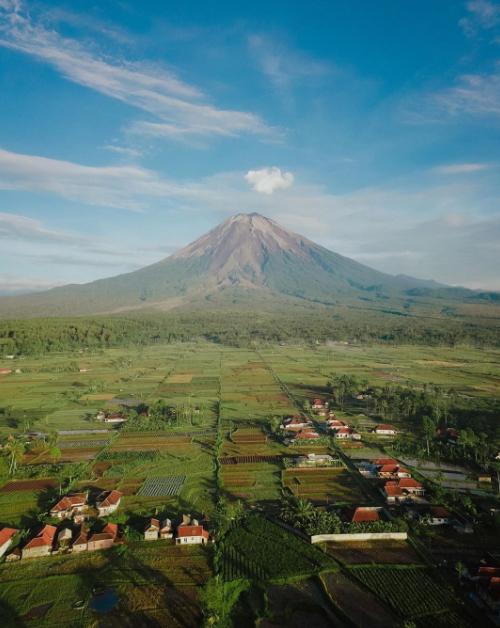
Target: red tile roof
x: 307, y: 434
x: 111, y: 528
x: 6, y: 534
x: 70, y: 501
x: 389, y: 468
x: 364, y: 514
x: 392, y: 489
x: 409, y: 483
x: 44, y: 538
x: 188, y: 530
x: 111, y: 499
x: 385, y: 426
x: 381, y: 461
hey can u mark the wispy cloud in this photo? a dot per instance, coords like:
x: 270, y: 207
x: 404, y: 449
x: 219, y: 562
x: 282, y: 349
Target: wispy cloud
x: 15, y: 226
x: 482, y: 14
x: 461, y: 168
x: 472, y: 95
x: 126, y: 187
x: 282, y: 65
x: 175, y: 104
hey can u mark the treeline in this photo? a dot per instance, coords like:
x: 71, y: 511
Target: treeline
x: 39, y: 336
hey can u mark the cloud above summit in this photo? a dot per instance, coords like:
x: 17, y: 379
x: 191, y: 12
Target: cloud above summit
x: 268, y: 180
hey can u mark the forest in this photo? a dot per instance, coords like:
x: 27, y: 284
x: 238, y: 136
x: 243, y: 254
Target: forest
x: 237, y: 329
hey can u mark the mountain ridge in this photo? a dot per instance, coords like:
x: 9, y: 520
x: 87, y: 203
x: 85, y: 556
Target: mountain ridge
x: 247, y: 257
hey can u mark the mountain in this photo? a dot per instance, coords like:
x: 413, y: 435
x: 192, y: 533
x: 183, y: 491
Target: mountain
x: 248, y: 260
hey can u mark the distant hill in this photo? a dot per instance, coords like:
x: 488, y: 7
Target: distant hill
x: 248, y: 261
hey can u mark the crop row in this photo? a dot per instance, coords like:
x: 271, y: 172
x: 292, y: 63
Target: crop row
x: 410, y: 591
x: 162, y: 486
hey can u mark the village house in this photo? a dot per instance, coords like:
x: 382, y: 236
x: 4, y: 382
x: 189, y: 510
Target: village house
x: 488, y: 588
x: 166, y: 530
x: 411, y: 486
x: 81, y: 542
x: 319, y: 404
x: 69, y: 506
x: 103, y: 540
x: 64, y: 538
x: 392, y: 471
x: 152, y: 530
x: 307, y: 434
x: 384, y: 429
x: 295, y: 423
x: 335, y: 424
x: 14, y: 556
x: 111, y: 417
x: 191, y: 531
x: 42, y: 544
x: 405, y: 489
x: 108, y: 502
x: 378, y: 462
x: 448, y: 434
x: 315, y: 460
x: 347, y: 433
x: 439, y: 516
x: 6, y: 537
x: 365, y: 514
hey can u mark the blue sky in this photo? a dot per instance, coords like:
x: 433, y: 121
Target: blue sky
x: 127, y: 129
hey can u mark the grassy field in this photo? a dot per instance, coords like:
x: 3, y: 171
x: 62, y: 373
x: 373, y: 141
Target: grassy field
x: 238, y: 390
x: 152, y: 581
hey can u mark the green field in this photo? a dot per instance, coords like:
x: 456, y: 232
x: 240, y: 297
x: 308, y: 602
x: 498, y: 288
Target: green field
x: 224, y: 399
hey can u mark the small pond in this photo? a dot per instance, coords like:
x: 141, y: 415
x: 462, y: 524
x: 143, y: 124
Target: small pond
x: 104, y: 600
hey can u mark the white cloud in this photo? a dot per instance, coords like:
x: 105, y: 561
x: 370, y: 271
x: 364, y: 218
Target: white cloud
x: 472, y: 95
x: 282, y: 65
x: 268, y: 180
x: 461, y: 168
x: 157, y: 91
x: 14, y: 226
x: 125, y: 187
x: 483, y: 14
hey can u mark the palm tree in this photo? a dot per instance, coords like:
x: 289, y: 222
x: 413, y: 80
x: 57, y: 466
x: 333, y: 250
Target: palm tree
x: 15, y: 450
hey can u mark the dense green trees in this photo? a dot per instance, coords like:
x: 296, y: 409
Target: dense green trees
x: 43, y: 335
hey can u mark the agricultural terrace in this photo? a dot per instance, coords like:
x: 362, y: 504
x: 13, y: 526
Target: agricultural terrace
x: 155, y: 583
x: 326, y: 486
x: 225, y: 401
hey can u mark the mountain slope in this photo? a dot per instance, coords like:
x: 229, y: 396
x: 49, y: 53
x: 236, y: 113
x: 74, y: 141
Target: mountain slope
x: 246, y: 259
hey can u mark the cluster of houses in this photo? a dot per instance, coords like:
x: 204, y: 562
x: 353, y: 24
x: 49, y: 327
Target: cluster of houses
x: 342, y: 430
x: 52, y: 539
x: 299, y: 428
x: 400, y: 487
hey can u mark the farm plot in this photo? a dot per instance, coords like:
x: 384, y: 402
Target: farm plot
x: 390, y: 552
x: 253, y: 482
x: 359, y: 605
x: 154, y: 587
x: 249, y: 550
x: 162, y: 486
x: 392, y: 585
x: 324, y: 485
x: 75, y: 444
x: 28, y: 485
x: 18, y: 506
x: 248, y: 436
